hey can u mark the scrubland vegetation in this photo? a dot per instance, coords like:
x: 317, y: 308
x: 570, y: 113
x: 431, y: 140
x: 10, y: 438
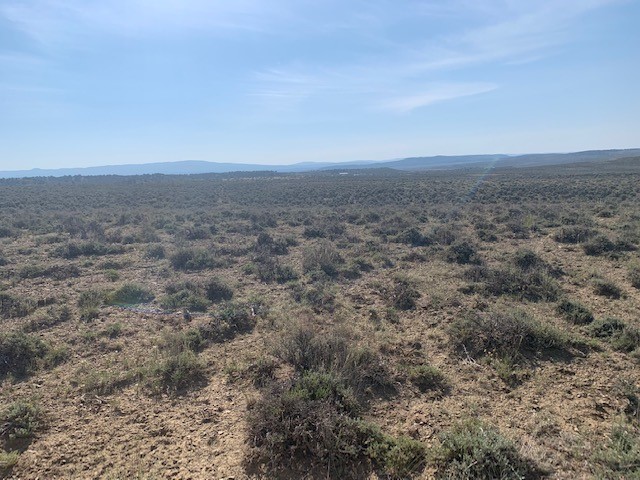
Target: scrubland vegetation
x: 453, y: 325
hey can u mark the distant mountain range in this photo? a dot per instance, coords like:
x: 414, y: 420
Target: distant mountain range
x: 440, y: 162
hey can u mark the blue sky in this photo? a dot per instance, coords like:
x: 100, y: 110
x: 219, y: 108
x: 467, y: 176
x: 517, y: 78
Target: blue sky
x: 88, y: 82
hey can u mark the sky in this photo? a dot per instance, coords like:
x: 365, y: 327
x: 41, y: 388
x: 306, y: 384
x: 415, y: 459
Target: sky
x: 105, y: 82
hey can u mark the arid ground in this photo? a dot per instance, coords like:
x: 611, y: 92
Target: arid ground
x: 376, y: 324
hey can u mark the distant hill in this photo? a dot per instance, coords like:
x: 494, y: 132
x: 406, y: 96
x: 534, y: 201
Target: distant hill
x: 439, y: 162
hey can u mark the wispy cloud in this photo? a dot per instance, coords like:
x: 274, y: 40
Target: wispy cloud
x: 435, y: 94
x: 505, y: 32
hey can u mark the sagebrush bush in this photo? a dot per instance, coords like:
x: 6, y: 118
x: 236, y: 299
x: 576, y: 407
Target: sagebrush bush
x: 360, y: 368
x: 634, y: 276
x: 174, y: 373
x: 533, y: 285
x: 473, y: 451
x: 574, y: 234
x: 622, y: 336
x: 574, y: 312
x: 21, y: 353
x: 414, y: 237
x: 230, y: 320
x: 13, y: 306
x: 20, y: 420
x: 463, y: 253
x: 129, y: 294
x: 192, y: 259
x: 427, y: 378
x: 620, y: 456
x: 314, y: 424
x: 607, y: 288
x: 402, y: 295
x: 507, y: 334
x: 217, y: 290
x: 322, y: 256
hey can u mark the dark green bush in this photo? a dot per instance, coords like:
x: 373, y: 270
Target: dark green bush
x: 634, y: 277
x: 90, y: 299
x: 403, y: 296
x: 20, y: 420
x: 12, y: 306
x: 74, y: 249
x: 174, y: 373
x: 185, y: 299
x: 155, y: 251
x: 601, y: 245
x: 473, y: 451
x: 413, y: 237
x: 192, y: 259
x: 507, y: 334
x: 359, y: 368
x: 129, y: 294
x: 463, y: 253
x: 428, y: 378
x: 319, y: 296
x: 574, y: 234
x: 56, y: 272
x: 217, y: 290
x: 231, y: 320
x: 574, y: 312
x: 527, y: 260
x: 21, y: 353
x: 622, y: 337
x: 607, y: 289
x: 527, y: 285
x: 315, y: 425
x: 322, y: 256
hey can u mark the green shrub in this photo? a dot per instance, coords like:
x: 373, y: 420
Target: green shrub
x: 508, y: 334
x: 534, y: 285
x: 12, y: 306
x: 462, y: 253
x: 473, y: 451
x: 189, y: 340
x: 601, y: 245
x: 620, y: 457
x: 91, y: 299
x: 322, y: 256
x: 427, y: 378
x: 217, y: 290
x: 52, y: 316
x: 174, y: 373
x: 359, y: 368
x: 607, y: 289
x: 185, y: 299
x: 315, y: 425
x: 105, y: 382
x: 414, y: 237
x: 634, y: 277
x: 192, y: 259
x: 403, y: 296
x: 231, y: 320
x: 319, y: 296
x: 622, y: 337
x: 8, y: 460
x: 574, y: 234
x: 129, y: 294
x: 574, y: 312
x: 20, y: 420
x: 155, y: 252
x: 21, y: 353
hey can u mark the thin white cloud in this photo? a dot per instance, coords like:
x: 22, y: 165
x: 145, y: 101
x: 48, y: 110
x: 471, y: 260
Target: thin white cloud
x: 506, y: 32
x: 435, y: 94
